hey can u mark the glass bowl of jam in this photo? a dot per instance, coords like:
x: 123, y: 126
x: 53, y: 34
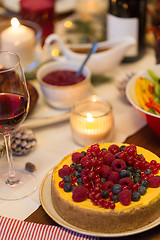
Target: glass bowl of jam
x: 60, y: 85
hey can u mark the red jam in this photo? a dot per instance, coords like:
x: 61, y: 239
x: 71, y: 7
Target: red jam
x: 63, y: 78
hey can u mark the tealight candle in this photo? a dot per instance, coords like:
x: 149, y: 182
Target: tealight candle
x: 19, y: 39
x: 91, y: 121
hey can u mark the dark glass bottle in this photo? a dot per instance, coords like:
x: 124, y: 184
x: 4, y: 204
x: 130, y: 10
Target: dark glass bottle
x: 128, y: 17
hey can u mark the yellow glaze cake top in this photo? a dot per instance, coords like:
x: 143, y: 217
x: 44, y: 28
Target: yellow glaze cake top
x: 151, y: 196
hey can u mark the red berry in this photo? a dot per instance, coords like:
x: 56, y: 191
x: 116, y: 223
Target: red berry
x: 108, y: 158
x: 154, y: 182
x: 88, y: 164
x: 106, y: 170
x: 158, y: 166
x: 122, y: 155
x: 91, y: 175
x: 82, y: 161
x: 130, y: 150
x: 97, y: 169
x: 95, y: 202
x: 130, y: 160
x: 114, y: 177
x: 118, y: 165
x: 135, y: 187
x: 126, y: 181
x: 76, y: 157
x: 125, y: 197
x: 61, y: 184
x: 112, y: 205
x: 107, y: 186
x: 153, y: 162
x: 79, y: 194
x: 124, y: 187
x: 66, y: 170
x: 114, y: 149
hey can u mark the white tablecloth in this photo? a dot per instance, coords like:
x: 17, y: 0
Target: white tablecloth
x: 55, y: 141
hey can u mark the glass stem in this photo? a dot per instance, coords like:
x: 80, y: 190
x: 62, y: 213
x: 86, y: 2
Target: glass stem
x: 12, y: 179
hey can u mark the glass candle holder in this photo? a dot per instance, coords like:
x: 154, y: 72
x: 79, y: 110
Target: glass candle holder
x: 24, y: 38
x: 91, y: 121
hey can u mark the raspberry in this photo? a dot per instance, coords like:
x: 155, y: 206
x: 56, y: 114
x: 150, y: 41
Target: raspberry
x: 114, y: 149
x: 126, y: 181
x: 107, y: 186
x: 108, y: 158
x: 118, y: 165
x: 105, y: 171
x: 76, y: 157
x: 66, y: 170
x: 125, y: 197
x: 114, y: 177
x: 154, y: 182
x: 79, y: 194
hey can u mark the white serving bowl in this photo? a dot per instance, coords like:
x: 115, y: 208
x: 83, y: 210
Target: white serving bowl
x: 100, y: 62
x: 63, y: 97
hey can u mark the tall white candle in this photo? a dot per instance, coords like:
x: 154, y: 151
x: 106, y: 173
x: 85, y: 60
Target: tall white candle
x: 19, y: 39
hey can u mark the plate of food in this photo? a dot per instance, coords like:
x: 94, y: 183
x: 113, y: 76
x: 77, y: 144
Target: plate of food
x: 130, y: 206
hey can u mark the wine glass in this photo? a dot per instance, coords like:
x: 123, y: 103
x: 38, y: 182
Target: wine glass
x: 14, y: 105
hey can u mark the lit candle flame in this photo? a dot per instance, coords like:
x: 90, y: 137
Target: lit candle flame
x: 14, y: 22
x: 89, y: 117
x: 68, y: 24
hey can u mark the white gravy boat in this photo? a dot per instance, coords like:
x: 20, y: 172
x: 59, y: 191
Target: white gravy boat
x: 99, y: 62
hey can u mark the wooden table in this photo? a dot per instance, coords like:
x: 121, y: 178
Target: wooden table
x: 144, y: 138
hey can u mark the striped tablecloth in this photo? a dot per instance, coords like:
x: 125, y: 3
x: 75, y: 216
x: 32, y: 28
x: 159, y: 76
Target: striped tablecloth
x: 13, y: 229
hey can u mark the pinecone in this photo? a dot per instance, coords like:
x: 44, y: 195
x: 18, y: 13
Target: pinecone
x: 22, y: 141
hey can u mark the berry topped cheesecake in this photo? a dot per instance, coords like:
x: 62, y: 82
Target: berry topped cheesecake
x: 107, y: 188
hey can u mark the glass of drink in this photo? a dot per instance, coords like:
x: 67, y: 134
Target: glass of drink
x: 14, y: 106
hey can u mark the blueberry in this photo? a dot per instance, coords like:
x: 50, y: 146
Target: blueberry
x: 67, y: 187
x: 137, y: 179
x: 147, y: 171
x: 115, y: 198
x: 77, y: 174
x: 145, y: 183
x: 103, y: 179
x: 105, y: 194
x: 103, y: 149
x: 84, y: 153
x: 131, y: 169
x: 79, y: 181
x: 125, y: 173
x: 79, y: 168
x: 67, y: 178
x: 135, y: 196
x: 138, y: 171
x: 140, y: 155
x: 142, y: 190
x: 122, y: 148
x: 73, y: 165
x: 116, y: 188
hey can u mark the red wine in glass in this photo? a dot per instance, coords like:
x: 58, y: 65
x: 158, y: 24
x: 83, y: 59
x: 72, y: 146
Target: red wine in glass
x: 14, y: 105
x: 12, y: 111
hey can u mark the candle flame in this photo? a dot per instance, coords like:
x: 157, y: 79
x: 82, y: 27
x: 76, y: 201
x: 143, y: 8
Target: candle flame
x: 14, y: 22
x: 68, y: 24
x: 89, y: 117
